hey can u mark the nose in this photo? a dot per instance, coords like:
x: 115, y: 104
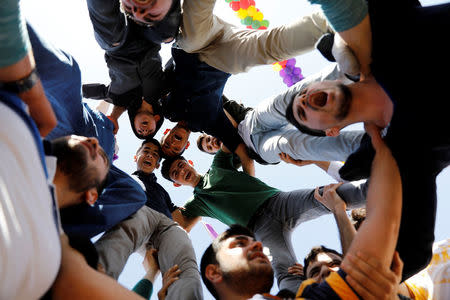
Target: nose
x: 256, y: 245
x: 324, y: 272
x: 94, y: 142
x: 139, y: 13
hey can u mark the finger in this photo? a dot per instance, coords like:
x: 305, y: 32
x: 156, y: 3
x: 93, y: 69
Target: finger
x: 317, y: 194
x: 397, y: 265
x: 359, y: 289
x: 366, y: 276
x: 336, y: 186
x: 173, y: 274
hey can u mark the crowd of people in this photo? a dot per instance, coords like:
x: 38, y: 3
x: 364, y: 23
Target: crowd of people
x: 60, y: 185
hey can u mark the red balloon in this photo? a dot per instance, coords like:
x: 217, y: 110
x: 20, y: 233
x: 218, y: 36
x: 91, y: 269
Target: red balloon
x: 245, y: 4
x: 235, y: 6
x: 262, y: 27
x: 252, y: 2
x: 249, y: 27
x: 283, y: 63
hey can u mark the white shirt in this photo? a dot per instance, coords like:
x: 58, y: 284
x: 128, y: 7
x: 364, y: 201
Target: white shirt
x: 30, y: 250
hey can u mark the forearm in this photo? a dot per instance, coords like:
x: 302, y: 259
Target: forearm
x: 248, y: 165
x: 346, y: 230
x: 185, y: 222
x: 378, y: 234
x: 117, y: 111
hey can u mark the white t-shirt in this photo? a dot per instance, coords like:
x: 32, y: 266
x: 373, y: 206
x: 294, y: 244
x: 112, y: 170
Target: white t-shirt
x: 30, y: 250
x: 433, y: 282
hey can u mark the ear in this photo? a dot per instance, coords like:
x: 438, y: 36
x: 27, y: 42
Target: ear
x: 135, y: 158
x: 213, y: 273
x: 176, y: 184
x: 156, y: 117
x: 333, y: 131
x: 90, y: 196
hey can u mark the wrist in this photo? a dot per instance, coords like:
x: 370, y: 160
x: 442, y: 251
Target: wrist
x: 151, y: 275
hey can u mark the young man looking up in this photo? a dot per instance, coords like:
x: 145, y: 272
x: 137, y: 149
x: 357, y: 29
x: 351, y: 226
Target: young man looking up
x: 391, y: 103
x: 233, y: 197
x: 232, y: 259
x: 147, y: 159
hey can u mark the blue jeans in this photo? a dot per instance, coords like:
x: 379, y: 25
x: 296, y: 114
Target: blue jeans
x: 61, y: 79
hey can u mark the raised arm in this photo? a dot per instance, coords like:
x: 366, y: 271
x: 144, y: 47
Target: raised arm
x: 248, y: 165
x: 350, y: 19
x: 377, y: 236
x: 334, y: 202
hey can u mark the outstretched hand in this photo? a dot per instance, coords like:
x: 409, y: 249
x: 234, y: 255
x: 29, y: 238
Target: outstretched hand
x: 367, y: 276
x: 330, y: 198
x: 169, y: 277
x: 298, y: 162
x: 296, y: 269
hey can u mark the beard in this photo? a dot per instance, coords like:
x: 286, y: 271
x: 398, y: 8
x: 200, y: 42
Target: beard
x: 344, y: 105
x: 256, y: 280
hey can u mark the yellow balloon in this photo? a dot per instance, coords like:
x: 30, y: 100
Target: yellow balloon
x: 251, y: 11
x: 241, y: 13
x: 258, y: 16
x: 277, y: 67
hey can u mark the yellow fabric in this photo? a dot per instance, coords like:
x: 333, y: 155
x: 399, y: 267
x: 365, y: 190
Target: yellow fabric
x: 303, y: 286
x: 340, y: 287
x: 417, y: 292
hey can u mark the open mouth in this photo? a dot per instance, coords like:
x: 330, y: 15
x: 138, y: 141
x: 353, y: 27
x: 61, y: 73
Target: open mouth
x: 258, y: 255
x: 147, y: 163
x: 177, y: 137
x: 216, y: 142
x: 188, y: 175
x: 319, y: 99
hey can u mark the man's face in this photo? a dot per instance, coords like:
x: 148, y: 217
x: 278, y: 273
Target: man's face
x: 175, y: 141
x: 147, y: 159
x: 242, y: 261
x: 76, y: 154
x: 210, y: 144
x: 146, y: 12
x: 145, y: 123
x: 324, y: 264
x: 182, y: 172
x: 322, y: 105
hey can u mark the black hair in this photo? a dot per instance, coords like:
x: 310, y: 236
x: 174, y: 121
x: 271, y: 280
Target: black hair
x: 358, y: 216
x: 164, y: 135
x: 313, y: 254
x: 291, y: 119
x: 167, y: 163
x: 154, y: 142
x: 157, y: 111
x: 209, y: 256
x: 200, y: 141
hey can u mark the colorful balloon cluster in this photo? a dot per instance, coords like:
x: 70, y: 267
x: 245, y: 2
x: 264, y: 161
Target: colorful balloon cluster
x: 248, y: 13
x: 254, y: 19
x: 288, y: 71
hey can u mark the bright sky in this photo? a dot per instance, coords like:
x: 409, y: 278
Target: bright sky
x: 66, y: 24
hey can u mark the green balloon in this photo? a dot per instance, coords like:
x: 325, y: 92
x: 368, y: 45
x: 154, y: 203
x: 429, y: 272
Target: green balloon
x: 256, y: 24
x: 265, y: 23
x: 228, y: 1
x: 248, y: 21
